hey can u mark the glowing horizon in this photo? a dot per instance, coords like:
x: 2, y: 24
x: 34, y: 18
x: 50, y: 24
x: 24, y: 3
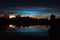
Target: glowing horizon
x: 38, y: 17
x: 13, y: 16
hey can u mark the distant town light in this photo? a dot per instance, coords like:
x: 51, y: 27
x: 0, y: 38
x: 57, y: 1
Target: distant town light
x: 11, y: 16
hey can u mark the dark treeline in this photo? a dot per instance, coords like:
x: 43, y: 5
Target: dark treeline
x: 24, y: 21
x: 29, y: 21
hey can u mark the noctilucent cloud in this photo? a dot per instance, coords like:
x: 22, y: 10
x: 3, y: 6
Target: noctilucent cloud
x: 36, y: 11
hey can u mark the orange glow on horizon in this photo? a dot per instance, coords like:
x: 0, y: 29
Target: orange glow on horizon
x: 38, y: 17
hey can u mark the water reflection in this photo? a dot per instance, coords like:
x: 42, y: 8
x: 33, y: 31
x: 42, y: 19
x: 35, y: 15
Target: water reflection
x: 32, y: 28
x: 42, y: 27
x: 11, y: 26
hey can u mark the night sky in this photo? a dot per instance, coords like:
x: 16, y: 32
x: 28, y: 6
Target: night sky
x: 30, y: 7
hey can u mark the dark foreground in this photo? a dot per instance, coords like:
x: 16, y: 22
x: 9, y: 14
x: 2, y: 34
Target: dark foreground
x: 20, y: 36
